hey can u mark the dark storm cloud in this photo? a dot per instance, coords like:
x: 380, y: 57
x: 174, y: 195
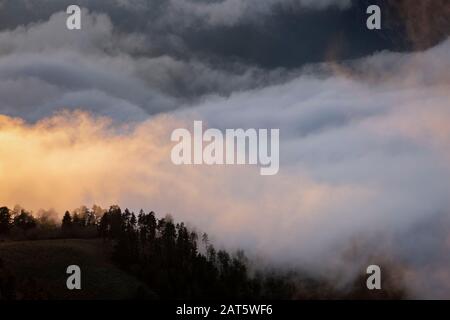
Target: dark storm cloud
x: 98, y: 70
x: 267, y: 34
x: 173, y: 53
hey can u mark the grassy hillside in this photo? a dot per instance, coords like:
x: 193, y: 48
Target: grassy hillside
x: 43, y: 263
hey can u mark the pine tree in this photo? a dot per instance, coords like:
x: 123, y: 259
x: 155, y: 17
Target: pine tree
x: 66, y: 221
x: 5, y: 220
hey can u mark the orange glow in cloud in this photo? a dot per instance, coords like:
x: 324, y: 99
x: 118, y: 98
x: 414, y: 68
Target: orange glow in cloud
x: 71, y: 159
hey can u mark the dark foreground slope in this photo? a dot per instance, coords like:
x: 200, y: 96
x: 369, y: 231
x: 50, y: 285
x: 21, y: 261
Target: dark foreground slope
x: 39, y: 270
x: 127, y: 253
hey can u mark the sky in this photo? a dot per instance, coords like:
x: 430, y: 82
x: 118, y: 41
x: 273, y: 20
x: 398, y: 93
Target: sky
x: 86, y: 118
